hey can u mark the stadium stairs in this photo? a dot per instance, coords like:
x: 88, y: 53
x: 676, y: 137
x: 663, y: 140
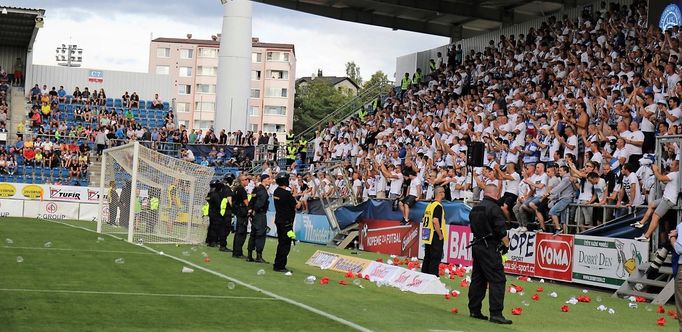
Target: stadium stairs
x: 654, y: 285
x: 19, y: 107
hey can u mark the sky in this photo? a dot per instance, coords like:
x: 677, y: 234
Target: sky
x: 115, y: 35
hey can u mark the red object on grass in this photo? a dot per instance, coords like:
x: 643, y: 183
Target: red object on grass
x: 517, y: 311
x: 660, y: 309
x: 324, y: 280
x: 522, y: 278
x: 360, y: 276
x: 410, y: 265
x: 584, y: 298
x: 640, y: 299
x: 366, y: 276
x: 207, y: 259
x: 518, y: 288
x: 380, y: 260
x: 661, y: 321
x: 671, y: 313
x: 350, y: 274
x: 564, y: 308
x: 539, y: 289
x: 452, y: 277
x: 454, y: 310
x: 464, y: 284
x: 447, y: 296
x: 343, y: 282
x: 535, y: 297
x: 441, y: 273
x: 455, y: 293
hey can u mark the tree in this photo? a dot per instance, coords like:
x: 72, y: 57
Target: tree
x: 353, y: 72
x: 378, y: 78
x: 314, y: 101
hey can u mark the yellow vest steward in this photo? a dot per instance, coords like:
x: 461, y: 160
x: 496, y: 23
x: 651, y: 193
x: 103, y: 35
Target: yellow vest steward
x: 427, y: 230
x: 204, y: 209
x: 303, y: 145
x: 292, y: 152
x: 417, y: 78
x: 223, y: 206
x: 405, y: 84
x: 290, y: 138
x: 154, y: 204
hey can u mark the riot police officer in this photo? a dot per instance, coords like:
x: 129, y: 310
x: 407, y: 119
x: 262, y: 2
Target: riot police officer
x: 214, y: 200
x: 489, y: 244
x: 226, y: 220
x: 285, y: 212
x: 240, y: 200
x: 258, y: 207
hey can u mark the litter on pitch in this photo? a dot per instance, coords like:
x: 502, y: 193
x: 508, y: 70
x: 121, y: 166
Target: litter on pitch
x: 553, y: 294
x: 231, y: 285
x: 119, y: 260
x: 9, y: 241
x: 260, y: 272
x: 572, y: 300
x: 186, y: 269
x: 601, y: 308
x: 309, y: 280
x: 632, y: 305
x: 20, y: 259
x: 185, y: 253
x: 47, y: 244
x: 564, y: 308
x: 611, y: 311
x: 289, y: 274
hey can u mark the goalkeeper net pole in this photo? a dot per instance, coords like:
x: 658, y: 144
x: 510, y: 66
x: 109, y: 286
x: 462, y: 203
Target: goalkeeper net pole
x: 147, y: 196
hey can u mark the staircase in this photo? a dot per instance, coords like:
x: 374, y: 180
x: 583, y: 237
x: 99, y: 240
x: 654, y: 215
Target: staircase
x: 346, y: 238
x: 17, y: 113
x: 94, y: 172
x: 658, y: 290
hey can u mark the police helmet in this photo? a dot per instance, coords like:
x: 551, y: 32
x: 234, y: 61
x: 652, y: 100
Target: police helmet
x: 214, y: 183
x: 282, y: 179
x: 228, y: 179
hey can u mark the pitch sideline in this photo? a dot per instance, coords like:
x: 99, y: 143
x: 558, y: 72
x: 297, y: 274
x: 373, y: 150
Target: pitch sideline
x: 237, y: 281
x: 201, y: 296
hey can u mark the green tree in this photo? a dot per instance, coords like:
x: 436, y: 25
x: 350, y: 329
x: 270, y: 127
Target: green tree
x: 314, y: 101
x: 378, y: 78
x: 353, y: 72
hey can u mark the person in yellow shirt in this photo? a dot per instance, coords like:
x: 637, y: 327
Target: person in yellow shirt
x: 433, y: 232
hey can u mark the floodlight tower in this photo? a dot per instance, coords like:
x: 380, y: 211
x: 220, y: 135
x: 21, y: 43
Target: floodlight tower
x: 234, y: 67
x: 69, y: 55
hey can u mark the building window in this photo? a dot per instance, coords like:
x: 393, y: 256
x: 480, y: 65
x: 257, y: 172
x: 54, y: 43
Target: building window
x: 275, y: 110
x: 256, y: 57
x: 278, y: 56
x: 255, y: 93
x: 203, y: 124
x: 255, y: 75
x: 253, y: 127
x: 208, y: 52
x: 204, y: 106
x: 186, y: 53
x: 185, y: 71
x: 207, y: 71
x: 276, y: 92
x: 163, y: 52
x: 206, y: 88
x: 273, y: 128
x: 184, y: 89
x: 182, y: 107
x: 254, y: 110
x: 162, y: 70
x: 278, y: 74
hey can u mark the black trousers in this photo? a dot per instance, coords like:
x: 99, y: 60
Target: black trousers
x: 283, y: 245
x: 240, y: 236
x: 487, y: 271
x: 213, y: 230
x: 433, y: 253
x: 113, y: 210
x: 224, y: 230
x: 257, y: 237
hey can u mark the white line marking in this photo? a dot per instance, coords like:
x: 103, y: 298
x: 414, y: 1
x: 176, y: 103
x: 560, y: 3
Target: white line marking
x: 237, y: 281
x: 80, y: 250
x: 66, y: 291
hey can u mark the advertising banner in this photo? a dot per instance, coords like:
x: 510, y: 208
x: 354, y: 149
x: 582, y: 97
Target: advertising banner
x: 49, y: 192
x: 11, y: 208
x: 417, y: 282
x: 348, y: 263
x: 521, y: 255
x: 380, y: 272
x: 554, y: 256
x: 458, y: 240
x: 322, y: 259
x: 50, y: 210
x: 89, y: 212
x: 606, y: 262
x: 309, y: 228
x: 389, y: 237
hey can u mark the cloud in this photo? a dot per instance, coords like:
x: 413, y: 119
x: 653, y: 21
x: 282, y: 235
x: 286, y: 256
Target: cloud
x: 116, y: 35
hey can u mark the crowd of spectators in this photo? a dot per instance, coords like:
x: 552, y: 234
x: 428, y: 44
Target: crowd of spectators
x: 567, y: 113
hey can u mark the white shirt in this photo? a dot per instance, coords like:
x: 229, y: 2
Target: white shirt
x: 413, y: 187
x: 628, y: 183
x: 634, y: 136
x: 538, y: 179
x: 512, y: 186
x: 597, y: 157
x: 599, y: 188
x: 670, y: 191
x: 676, y: 112
x: 396, y: 183
x: 573, y: 140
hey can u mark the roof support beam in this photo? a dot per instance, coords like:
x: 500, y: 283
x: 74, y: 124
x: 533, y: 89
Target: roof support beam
x: 472, y: 10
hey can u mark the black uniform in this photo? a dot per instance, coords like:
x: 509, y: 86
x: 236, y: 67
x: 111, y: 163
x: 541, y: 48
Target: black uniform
x: 285, y: 212
x: 216, y: 220
x: 113, y: 205
x: 259, y: 205
x: 124, y: 203
x: 488, y: 228
x: 242, y: 212
x: 226, y: 222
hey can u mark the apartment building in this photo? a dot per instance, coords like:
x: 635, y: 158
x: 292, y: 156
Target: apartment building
x: 192, y: 66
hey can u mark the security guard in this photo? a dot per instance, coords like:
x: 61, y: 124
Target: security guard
x: 303, y: 148
x: 241, y: 210
x: 290, y: 137
x: 433, y: 231
x: 152, y: 212
x: 285, y: 212
x: 417, y: 77
x: 432, y: 66
x: 362, y: 114
x: 489, y: 244
x: 212, y: 209
x: 258, y: 206
x: 291, y: 154
x: 405, y: 84
x: 226, y: 212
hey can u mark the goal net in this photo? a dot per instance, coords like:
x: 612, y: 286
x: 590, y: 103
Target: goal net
x: 149, y: 197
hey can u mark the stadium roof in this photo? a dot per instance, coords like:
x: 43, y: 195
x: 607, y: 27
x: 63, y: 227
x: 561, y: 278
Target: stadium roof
x: 456, y: 19
x: 19, y: 26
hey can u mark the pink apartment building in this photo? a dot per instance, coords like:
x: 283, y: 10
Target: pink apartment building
x: 192, y: 65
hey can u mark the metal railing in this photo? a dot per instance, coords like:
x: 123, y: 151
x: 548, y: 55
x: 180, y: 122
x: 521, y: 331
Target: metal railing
x: 348, y: 109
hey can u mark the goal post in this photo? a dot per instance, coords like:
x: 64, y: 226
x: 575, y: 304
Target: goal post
x: 150, y: 197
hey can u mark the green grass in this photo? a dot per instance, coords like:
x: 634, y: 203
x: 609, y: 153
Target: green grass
x: 77, y: 261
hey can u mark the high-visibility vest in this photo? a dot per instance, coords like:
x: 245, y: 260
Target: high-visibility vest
x: 138, y: 205
x: 362, y: 113
x: 292, y: 152
x: 223, y: 206
x: 427, y: 230
x: 375, y: 104
x: 416, y: 78
x: 57, y: 135
x: 154, y: 203
x: 405, y: 84
x: 290, y: 138
x: 303, y: 145
x: 204, y: 209
x: 432, y: 66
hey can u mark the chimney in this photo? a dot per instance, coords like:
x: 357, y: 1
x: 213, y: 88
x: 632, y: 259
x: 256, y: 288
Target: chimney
x: 214, y: 37
x: 189, y: 36
x: 254, y: 39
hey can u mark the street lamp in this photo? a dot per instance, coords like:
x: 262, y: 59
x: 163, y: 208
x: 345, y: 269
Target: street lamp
x: 69, y: 55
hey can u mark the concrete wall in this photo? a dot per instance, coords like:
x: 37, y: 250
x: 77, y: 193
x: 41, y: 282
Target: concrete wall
x: 115, y: 83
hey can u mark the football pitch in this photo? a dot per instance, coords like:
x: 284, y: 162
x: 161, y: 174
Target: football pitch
x: 63, y: 277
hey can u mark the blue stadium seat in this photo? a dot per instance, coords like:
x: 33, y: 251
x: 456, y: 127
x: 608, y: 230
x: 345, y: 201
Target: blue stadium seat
x: 28, y: 170
x: 117, y: 102
x: 61, y: 107
x: 110, y: 102
x: 68, y: 99
x: 166, y: 106
x: 69, y: 108
x: 142, y: 104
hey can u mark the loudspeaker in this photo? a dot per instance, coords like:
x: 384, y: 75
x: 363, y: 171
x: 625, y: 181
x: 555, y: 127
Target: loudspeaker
x: 475, y: 151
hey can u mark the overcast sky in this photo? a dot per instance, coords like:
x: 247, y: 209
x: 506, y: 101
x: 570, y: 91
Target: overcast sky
x: 115, y: 35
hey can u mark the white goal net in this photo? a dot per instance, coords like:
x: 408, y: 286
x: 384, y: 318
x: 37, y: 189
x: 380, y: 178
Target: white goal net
x: 149, y: 197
